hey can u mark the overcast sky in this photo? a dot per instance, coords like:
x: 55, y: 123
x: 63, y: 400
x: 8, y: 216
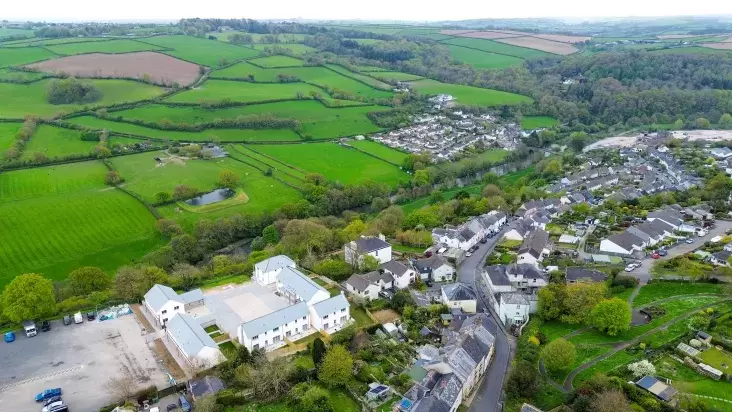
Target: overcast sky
x: 413, y: 10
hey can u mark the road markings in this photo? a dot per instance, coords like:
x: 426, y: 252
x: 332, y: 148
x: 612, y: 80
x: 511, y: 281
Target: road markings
x: 37, y: 378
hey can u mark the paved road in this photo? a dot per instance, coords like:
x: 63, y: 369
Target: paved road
x: 488, y: 397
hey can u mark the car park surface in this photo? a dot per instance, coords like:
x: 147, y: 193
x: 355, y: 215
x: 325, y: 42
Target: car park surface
x: 79, y: 359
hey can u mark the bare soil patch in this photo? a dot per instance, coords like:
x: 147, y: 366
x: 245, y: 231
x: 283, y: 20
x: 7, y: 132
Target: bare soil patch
x: 490, y: 35
x: 386, y: 315
x: 719, y: 46
x: 156, y: 67
x: 706, y: 135
x: 562, y: 38
x: 540, y: 44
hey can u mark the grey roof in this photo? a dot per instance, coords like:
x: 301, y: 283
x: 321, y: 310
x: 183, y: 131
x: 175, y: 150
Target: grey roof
x: 527, y: 270
x: 466, y: 233
x: 458, y: 291
x: 534, y: 243
x: 640, y: 233
x: 626, y: 240
x: 159, y: 295
x: 395, y: 267
x: 358, y: 282
x: 497, y: 274
x: 575, y: 274
x: 334, y: 304
x: 656, y: 387
x: 431, y: 404
x: 722, y: 255
x: 189, y: 334
x: 208, y: 385
x: 274, y: 263
x: 369, y: 244
x: 514, y: 299
x: 191, y: 296
x: 429, y: 264
x: 447, y: 389
x: 275, y: 319
x: 475, y: 348
x: 529, y: 408
x: 378, y: 275
x: 295, y: 282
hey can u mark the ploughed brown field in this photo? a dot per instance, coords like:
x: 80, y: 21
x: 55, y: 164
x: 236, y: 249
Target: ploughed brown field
x: 562, y: 38
x: 540, y: 44
x: 156, y: 67
x: 490, y: 35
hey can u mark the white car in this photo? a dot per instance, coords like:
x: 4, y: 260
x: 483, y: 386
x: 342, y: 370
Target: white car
x: 630, y: 268
x: 469, y: 254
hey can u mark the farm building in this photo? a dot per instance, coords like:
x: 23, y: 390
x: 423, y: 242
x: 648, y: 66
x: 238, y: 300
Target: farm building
x: 661, y: 390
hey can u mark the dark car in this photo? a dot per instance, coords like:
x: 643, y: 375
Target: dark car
x: 67, y: 320
x: 183, y: 403
x: 91, y: 316
x: 428, y: 283
x: 172, y: 407
x: 45, y: 326
x: 484, y: 240
x: 662, y: 252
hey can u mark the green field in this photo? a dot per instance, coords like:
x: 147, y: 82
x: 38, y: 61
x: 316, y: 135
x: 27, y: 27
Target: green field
x: 58, y: 218
x: 293, y: 47
x: 21, y: 99
x: 316, y: 120
x: 691, y: 50
x: 12, y: 75
x: 662, y: 290
x: 469, y: 95
x: 277, y: 61
x: 377, y: 149
x: 219, y: 90
x: 496, y: 47
x: 51, y: 42
x: 447, y: 194
x: 335, y: 162
x: 361, y: 77
x: 224, y: 135
x: 5, y: 32
x: 56, y: 142
x: 483, y: 60
x: 202, y: 51
x: 112, y: 46
x: 14, y: 57
x: 7, y: 134
x: 536, y: 122
x: 258, y: 37
x: 395, y: 76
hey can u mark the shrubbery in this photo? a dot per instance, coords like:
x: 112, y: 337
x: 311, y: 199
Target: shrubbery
x: 72, y: 91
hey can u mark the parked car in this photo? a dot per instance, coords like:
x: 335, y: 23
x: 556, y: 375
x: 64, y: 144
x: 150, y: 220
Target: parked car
x: 54, y: 406
x: 428, y: 283
x: 45, y: 326
x: 655, y: 256
x: 484, y: 240
x: 469, y: 254
x: 183, y: 403
x: 630, y: 268
x: 9, y: 337
x: 171, y: 407
x: 689, y: 241
x: 78, y: 318
x: 48, y: 393
x: 662, y: 252
x: 91, y: 316
x: 67, y: 320
x: 51, y: 400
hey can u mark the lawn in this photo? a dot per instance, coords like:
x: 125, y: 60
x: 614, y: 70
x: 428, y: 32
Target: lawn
x: 481, y: 59
x: 21, y: 99
x: 212, y: 328
x: 305, y: 361
x: 395, y: 76
x: 469, y: 95
x: 220, y: 90
x: 111, y: 47
x: 492, y: 155
x: 537, y: 122
x: 377, y: 149
x: 496, y: 47
x: 360, y: 316
x: 448, y: 194
x: 294, y: 47
x: 617, y: 360
x: 222, y: 135
x: 335, y: 162
x: 662, y: 290
x: 686, y: 380
x: 719, y: 359
x: 555, y: 329
x: 57, y: 222
x: 202, y: 51
x: 7, y: 134
x: 14, y: 57
x: 228, y: 349
x: 316, y: 120
x: 340, y: 401
x: 277, y: 61
x: 56, y: 142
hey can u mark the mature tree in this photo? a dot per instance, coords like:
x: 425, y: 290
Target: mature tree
x: 421, y: 177
x: 122, y: 387
x: 612, y: 400
x: 72, y: 91
x: 642, y: 368
x: 168, y: 227
x: 611, y: 316
x: 725, y: 120
x: 702, y: 123
x: 523, y: 380
x: 132, y: 282
x: 551, y: 301
x: 368, y: 263
x: 306, y: 397
x: 336, y: 369
x: 207, y: 404
x: 388, y: 221
x: 354, y: 229
x: 229, y: 179
x: 303, y: 237
x: 186, y: 248
x: 162, y: 197
x: 113, y: 178
x: 492, y: 190
x: 436, y: 197
x: 86, y: 280
x: 558, y: 355
x: 578, y: 141
x: 271, y: 378
x: 185, y: 276
x: 270, y: 235
x: 318, y: 351
x: 336, y: 269
x: 580, y: 299
x: 28, y: 296
x: 181, y: 192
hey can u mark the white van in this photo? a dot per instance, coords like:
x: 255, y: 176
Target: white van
x: 78, y: 318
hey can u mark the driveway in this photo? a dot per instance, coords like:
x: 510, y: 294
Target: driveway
x: 79, y: 359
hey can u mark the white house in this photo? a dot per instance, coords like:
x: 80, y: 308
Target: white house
x: 163, y: 303
x: 513, y: 308
x: 624, y: 243
x: 331, y: 314
x: 520, y: 230
x: 192, y: 341
x: 513, y: 289
x: 458, y: 237
x: 459, y: 295
x: 403, y: 275
x: 296, y: 287
x: 377, y: 247
x: 435, y: 267
x: 270, y: 331
x: 369, y: 285
x: 266, y: 271
x: 534, y: 248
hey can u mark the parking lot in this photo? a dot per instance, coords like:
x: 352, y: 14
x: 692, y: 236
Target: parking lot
x: 79, y: 359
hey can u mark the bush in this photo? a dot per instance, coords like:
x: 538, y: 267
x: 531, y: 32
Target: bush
x: 626, y: 281
x: 73, y: 304
x: 71, y: 91
x: 334, y: 269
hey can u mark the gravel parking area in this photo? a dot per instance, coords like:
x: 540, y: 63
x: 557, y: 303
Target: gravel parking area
x: 79, y: 359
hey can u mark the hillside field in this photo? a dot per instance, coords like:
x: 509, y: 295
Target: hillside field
x: 377, y: 149
x: 218, y: 90
x: 56, y: 142
x: 7, y: 134
x: 277, y: 61
x: 202, y: 51
x: 293, y: 47
x: 470, y: 95
x: 112, y: 46
x: 496, y: 47
x: 483, y: 60
x: 15, y: 57
x: 536, y: 122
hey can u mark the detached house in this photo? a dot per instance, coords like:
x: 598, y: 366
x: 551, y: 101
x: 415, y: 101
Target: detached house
x: 369, y: 285
x: 461, y: 237
x: 377, y: 247
x: 575, y: 275
x: 624, y: 243
x: 403, y: 275
x: 435, y: 268
x: 534, y: 248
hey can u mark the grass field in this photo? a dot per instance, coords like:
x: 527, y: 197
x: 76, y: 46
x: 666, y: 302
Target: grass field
x: 277, y: 61
x: 691, y: 50
x: 662, y: 290
x: 51, y: 42
x: 395, y: 76
x: 448, y: 194
x: 468, y: 95
x: 536, y: 122
x: 21, y: 99
x: 258, y: 37
x: 6, y: 32
x: 686, y: 380
x: 7, y: 134
x: 202, y: 51
x: 316, y: 119
x: 112, y: 46
x: 58, y: 218
x: 335, y: 162
x: 617, y: 360
x: 225, y: 135
x: 293, y: 47
x: 6, y: 74
x: 56, y: 142
x: 219, y: 90
x: 496, y: 47
x: 380, y: 150
x: 15, y: 57
x: 483, y: 60
x: 362, y: 77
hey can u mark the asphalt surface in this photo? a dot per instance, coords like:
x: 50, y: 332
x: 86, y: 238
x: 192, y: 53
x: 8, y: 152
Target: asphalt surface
x: 489, y: 397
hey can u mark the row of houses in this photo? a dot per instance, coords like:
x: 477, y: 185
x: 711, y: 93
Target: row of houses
x: 468, y: 234
x: 659, y: 225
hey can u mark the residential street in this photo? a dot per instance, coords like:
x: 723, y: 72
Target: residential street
x: 488, y: 397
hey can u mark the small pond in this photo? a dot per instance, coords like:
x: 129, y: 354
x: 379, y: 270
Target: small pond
x: 211, y: 197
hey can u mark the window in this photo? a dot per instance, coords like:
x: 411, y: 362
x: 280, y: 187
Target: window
x: 305, y: 327
x: 255, y: 337
x: 255, y: 346
x: 343, y: 319
x: 303, y: 318
x: 176, y: 307
x: 343, y: 310
x: 276, y: 329
x: 164, y: 312
x: 325, y: 317
x: 325, y: 326
x: 165, y: 320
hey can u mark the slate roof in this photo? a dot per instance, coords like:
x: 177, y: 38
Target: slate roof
x: 159, y: 295
x: 274, y: 263
x: 447, y: 389
x: 275, y: 319
x: 722, y: 255
x: 431, y: 404
x: 191, y: 296
x: 370, y: 244
x: 358, y: 283
x: 376, y: 276
x: 497, y: 274
x: 458, y: 291
x: 429, y: 264
x: 527, y: 270
x: 395, y: 267
x: 331, y: 305
x: 534, y: 243
x: 626, y: 240
x: 208, y: 385
x: 575, y: 274
x: 529, y: 408
x: 189, y: 334
x: 514, y: 299
x: 296, y: 282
